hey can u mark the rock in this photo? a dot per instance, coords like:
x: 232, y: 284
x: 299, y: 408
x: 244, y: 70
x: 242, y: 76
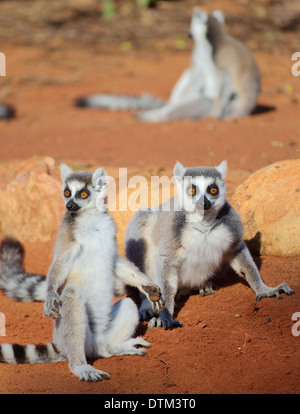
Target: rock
x: 31, y: 204
x: 269, y: 205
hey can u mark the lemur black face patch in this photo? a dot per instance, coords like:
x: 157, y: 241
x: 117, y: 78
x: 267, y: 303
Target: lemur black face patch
x: 192, y: 190
x: 83, y: 193
x: 213, y: 189
x: 67, y: 192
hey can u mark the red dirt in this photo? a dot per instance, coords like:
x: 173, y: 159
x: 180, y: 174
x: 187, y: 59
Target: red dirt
x: 229, y: 343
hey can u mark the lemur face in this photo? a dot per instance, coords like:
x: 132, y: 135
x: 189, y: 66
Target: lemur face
x: 201, y: 189
x: 200, y: 22
x: 83, y: 189
x: 198, y: 26
x: 76, y: 194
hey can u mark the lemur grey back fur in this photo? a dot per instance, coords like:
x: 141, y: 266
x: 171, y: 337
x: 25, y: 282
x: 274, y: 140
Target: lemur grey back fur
x: 222, y: 81
x: 184, y: 243
x: 80, y: 285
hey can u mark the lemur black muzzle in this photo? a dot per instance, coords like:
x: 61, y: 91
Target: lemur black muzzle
x: 203, y: 203
x: 72, y: 206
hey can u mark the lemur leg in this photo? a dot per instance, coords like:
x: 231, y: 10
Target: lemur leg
x: 167, y: 279
x: 118, y: 338
x: 207, y: 289
x: 70, y: 335
x: 181, y: 87
x: 146, y: 309
x: 196, y: 107
x: 244, y: 265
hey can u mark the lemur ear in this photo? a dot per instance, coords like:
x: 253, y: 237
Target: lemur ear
x: 201, y: 14
x: 179, y: 171
x: 100, y: 179
x: 219, y: 16
x: 64, y: 171
x: 222, y: 168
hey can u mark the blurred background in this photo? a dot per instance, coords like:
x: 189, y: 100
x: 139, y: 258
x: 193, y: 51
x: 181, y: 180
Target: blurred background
x: 59, y: 50
x: 271, y: 25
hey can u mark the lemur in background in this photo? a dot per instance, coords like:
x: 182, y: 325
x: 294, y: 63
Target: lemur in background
x: 223, y: 80
x: 80, y: 285
x: 182, y: 244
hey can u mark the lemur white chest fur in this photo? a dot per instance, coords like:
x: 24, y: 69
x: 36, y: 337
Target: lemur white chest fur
x: 202, y: 251
x: 92, y: 268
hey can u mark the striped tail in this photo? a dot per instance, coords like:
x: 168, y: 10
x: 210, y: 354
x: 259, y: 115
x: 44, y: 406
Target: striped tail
x: 29, y: 354
x: 115, y: 102
x: 14, y: 280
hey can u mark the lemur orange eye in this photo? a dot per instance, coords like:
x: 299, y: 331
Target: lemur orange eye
x: 67, y: 193
x: 191, y: 191
x: 213, y: 190
x: 83, y: 194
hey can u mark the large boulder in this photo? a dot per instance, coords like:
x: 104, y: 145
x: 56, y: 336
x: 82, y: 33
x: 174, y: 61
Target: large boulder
x: 31, y: 203
x: 269, y: 204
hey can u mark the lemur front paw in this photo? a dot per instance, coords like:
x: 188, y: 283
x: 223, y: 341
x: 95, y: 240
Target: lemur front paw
x: 153, y: 294
x: 164, y: 319
x: 51, y: 306
x: 268, y: 292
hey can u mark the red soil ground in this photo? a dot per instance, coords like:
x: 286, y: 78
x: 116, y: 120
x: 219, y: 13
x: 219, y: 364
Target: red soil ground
x: 229, y: 343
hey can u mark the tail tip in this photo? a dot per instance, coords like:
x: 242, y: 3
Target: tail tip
x: 81, y: 102
x: 11, y: 248
x: 7, y: 111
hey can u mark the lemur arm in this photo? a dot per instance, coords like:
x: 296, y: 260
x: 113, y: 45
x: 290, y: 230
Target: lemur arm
x: 57, y: 275
x: 130, y: 275
x: 245, y: 267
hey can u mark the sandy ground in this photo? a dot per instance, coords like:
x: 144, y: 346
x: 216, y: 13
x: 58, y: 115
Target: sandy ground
x: 229, y: 343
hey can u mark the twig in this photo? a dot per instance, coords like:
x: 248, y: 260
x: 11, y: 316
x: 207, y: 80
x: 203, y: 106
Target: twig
x: 247, y: 339
x: 167, y: 366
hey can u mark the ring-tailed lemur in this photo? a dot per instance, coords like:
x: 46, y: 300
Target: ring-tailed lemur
x: 223, y: 80
x: 30, y: 287
x: 183, y: 243
x: 80, y: 285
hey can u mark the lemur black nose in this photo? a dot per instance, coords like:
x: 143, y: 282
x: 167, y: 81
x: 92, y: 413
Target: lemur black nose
x: 207, y: 204
x: 72, y: 206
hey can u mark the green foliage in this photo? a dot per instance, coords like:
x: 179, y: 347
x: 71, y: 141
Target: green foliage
x: 109, y: 8
x: 146, y: 3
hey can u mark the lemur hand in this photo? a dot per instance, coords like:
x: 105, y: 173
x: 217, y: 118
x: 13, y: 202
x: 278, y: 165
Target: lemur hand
x: 153, y: 293
x: 51, y: 306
